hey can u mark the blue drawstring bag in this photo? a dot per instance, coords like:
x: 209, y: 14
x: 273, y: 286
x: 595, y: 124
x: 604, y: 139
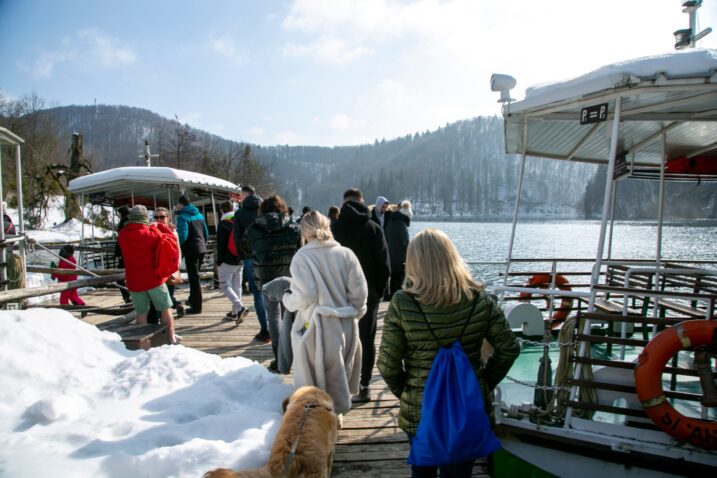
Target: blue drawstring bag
x: 454, y: 426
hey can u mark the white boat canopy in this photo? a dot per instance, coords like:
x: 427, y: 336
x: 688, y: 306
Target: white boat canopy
x: 674, y: 93
x: 149, y: 184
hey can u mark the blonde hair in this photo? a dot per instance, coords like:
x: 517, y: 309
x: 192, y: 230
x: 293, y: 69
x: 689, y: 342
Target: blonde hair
x: 315, y: 225
x: 435, y: 273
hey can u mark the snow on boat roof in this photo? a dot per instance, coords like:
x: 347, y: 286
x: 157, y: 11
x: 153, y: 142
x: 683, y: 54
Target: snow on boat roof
x: 129, y: 181
x: 674, y: 65
x: 674, y: 94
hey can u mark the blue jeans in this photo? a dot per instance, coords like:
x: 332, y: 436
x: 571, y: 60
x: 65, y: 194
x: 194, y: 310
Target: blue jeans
x: 452, y: 470
x: 258, y: 296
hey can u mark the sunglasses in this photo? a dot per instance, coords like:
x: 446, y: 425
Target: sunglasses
x: 160, y: 217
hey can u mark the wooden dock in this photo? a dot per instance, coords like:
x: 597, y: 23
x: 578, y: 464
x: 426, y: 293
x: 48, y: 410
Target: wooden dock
x: 370, y: 443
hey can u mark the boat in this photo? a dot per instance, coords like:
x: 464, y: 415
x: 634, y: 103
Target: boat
x: 633, y: 392
x: 152, y: 187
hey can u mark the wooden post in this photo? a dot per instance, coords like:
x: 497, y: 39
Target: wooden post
x: 76, y: 154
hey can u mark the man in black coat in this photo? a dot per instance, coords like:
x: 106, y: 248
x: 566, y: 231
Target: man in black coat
x: 355, y: 230
x: 243, y: 218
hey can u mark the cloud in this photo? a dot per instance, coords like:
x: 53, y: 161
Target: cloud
x: 342, y: 122
x: 89, y: 48
x: 287, y: 137
x: 226, y: 46
x: 255, y: 131
x: 327, y: 50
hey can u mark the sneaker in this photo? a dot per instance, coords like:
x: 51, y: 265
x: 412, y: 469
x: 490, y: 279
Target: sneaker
x: 241, y: 315
x: 273, y: 368
x: 363, y: 396
x: 177, y: 339
x: 230, y: 316
x: 263, y: 336
x: 180, y: 311
x: 192, y: 312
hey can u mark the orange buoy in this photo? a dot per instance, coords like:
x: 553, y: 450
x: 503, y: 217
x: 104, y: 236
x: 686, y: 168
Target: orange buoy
x: 543, y: 281
x: 648, y: 381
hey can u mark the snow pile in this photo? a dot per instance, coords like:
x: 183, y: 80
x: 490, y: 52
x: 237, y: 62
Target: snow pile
x: 75, y: 403
x: 70, y: 231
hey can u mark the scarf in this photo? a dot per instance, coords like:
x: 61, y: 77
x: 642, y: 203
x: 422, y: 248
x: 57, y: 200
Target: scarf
x: 137, y: 219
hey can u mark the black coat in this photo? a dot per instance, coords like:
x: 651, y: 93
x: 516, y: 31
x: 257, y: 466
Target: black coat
x: 273, y: 240
x: 243, y: 218
x: 223, y: 232
x: 396, y: 230
x: 355, y: 229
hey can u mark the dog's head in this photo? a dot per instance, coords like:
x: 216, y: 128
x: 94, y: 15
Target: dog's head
x: 309, y: 395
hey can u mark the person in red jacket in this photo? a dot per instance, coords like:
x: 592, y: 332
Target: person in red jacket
x: 67, y: 261
x: 138, y: 241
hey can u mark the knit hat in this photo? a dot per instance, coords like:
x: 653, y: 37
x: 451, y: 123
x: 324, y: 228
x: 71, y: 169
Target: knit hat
x: 183, y: 200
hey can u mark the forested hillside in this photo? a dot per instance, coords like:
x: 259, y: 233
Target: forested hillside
x: 458, y: 170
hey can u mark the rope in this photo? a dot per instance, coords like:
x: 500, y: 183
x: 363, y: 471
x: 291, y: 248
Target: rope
x: 556, y: 408
x: 15, y: 272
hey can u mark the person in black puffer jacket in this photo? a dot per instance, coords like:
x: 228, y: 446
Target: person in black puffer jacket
x: 243, y: 218
x: 272, y: 240
x: 396, y: 228
x: 355, y: 229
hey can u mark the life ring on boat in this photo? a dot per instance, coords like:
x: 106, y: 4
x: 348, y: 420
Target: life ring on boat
x: 695, y: 165
x: 542, y: 281
x: 648, y: 382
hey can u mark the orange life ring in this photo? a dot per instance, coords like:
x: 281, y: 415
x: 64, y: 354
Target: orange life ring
x: 648, y: 381
x: 542, y: 281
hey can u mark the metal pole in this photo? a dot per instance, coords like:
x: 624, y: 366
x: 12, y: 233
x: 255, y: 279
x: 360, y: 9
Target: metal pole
x: 20, y: 216
x: 3, y: 253
x: 660, y: 218
x: 216, y: 246
x: 515, y: 222
x: 612, y: 221
x: 82, y: 217
x: 595, y: 277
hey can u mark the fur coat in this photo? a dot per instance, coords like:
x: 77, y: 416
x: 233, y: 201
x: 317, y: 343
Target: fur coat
x: 328, y: 293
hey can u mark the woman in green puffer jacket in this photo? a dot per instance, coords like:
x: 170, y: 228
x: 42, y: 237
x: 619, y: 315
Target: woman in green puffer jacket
x: 439, y: 280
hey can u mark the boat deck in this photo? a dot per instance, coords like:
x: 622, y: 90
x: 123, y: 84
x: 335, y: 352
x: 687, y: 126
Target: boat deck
x: 370, y: 443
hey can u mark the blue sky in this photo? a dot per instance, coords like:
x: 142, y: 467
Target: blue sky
x: 318, y: 72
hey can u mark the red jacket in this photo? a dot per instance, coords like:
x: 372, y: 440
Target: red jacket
x: 64, y: 265
x: 139, y: 247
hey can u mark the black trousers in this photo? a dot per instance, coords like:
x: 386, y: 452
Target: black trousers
x: 193, y: 263
x: 398, y: 272
x: 367, y: 335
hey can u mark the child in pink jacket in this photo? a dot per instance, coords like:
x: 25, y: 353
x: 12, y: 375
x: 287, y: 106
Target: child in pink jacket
x: 68, y: 262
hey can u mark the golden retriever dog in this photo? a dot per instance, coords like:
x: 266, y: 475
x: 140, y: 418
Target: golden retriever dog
x: 309, y: 416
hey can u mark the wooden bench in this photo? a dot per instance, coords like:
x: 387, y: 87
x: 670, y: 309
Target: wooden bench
x: 682, y: 308
x: 614, y: 307
x: 143, y: 337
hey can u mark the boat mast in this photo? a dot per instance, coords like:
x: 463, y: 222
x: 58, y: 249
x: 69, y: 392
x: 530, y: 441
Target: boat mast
x: 686, y: 37
x: 148, y: 154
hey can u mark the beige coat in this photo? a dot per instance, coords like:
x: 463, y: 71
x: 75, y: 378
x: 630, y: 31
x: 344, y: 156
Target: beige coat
x: 328, y: 294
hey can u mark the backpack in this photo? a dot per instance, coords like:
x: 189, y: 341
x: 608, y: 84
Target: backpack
x: 454, y: 426
x: 166, y: 261
x: 231, y: 245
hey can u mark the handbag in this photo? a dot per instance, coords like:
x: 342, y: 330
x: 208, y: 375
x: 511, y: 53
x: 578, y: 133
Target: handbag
x: 175, y: 279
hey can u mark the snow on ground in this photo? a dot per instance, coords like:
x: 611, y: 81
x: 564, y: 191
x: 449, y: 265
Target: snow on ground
x: 70, y: 231
x: 75, y: 403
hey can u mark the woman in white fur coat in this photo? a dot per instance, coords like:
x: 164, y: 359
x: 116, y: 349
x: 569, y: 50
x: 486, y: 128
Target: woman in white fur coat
x: 328, y: 293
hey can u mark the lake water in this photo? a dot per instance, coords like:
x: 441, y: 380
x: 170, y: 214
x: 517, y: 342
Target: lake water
x: 488, y: 241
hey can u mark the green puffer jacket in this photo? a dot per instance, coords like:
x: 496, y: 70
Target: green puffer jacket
x: 408, y: 348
